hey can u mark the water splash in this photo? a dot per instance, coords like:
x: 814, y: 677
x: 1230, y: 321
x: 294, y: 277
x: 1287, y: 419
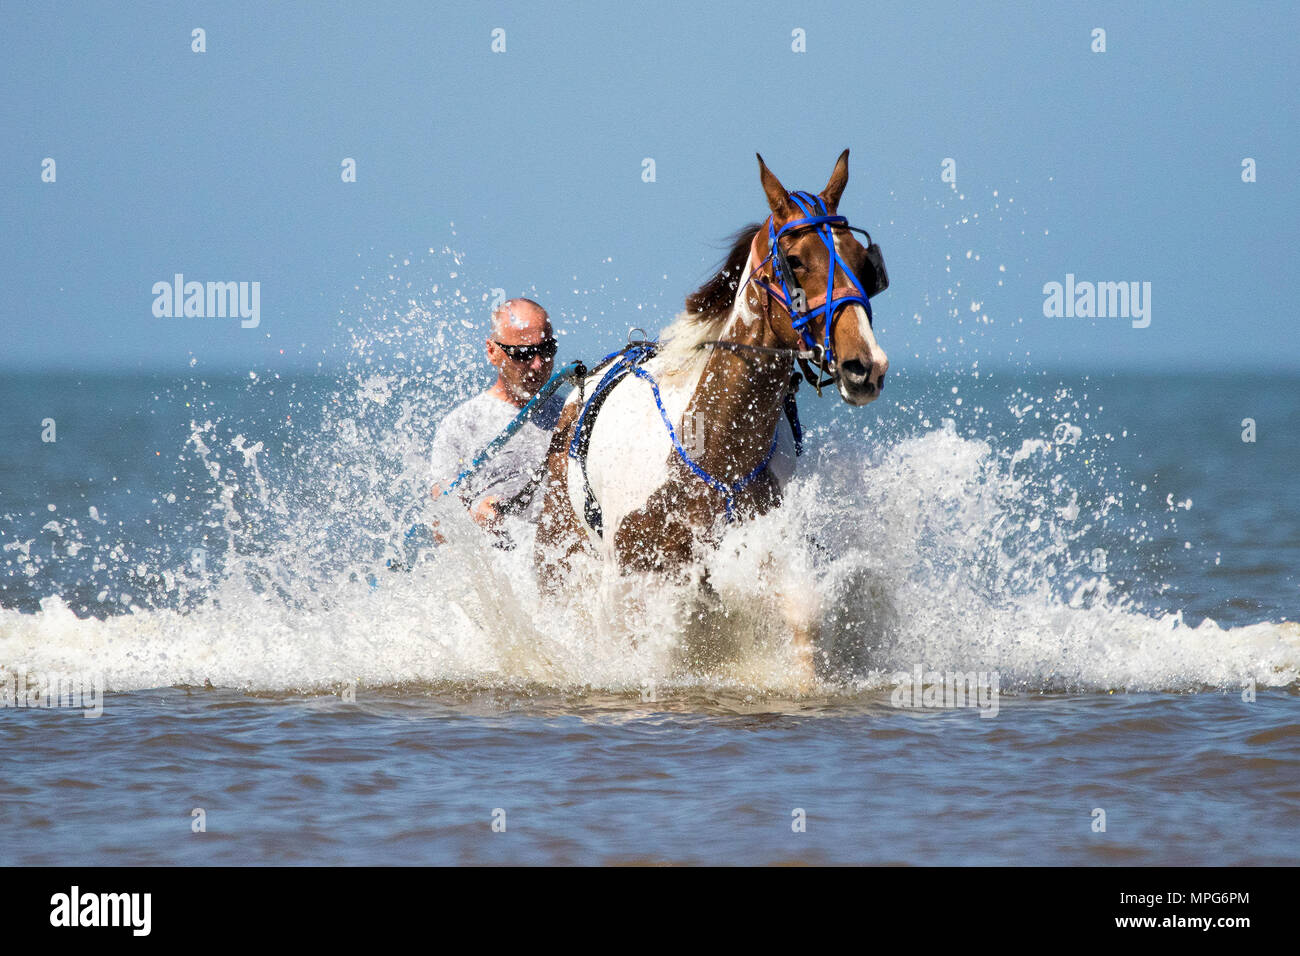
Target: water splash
x: 907, y: 543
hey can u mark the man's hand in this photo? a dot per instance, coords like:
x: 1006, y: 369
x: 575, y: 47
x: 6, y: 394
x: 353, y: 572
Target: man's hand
x: 438, y: 539
x: 485, y: 511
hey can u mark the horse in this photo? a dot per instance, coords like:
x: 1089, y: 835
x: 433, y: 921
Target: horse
x: 656, y: 451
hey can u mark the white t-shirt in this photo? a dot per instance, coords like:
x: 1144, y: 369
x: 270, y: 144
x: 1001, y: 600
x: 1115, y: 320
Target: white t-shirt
x: 466, y: 431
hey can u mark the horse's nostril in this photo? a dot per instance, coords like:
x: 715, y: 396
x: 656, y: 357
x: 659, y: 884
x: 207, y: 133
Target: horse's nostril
x: 855, y: 371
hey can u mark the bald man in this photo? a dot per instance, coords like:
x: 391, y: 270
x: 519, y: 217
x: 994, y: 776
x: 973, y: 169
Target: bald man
x: 522, y: 349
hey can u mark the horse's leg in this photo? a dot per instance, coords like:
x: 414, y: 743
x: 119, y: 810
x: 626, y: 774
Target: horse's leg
x: 803, y: 628
x: 660, y: 535
x: 560, y: 534
x: 795, y: 596
x: 795, y: 599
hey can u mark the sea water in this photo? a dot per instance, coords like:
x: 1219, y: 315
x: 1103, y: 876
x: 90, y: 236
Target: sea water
x: 213, y: 548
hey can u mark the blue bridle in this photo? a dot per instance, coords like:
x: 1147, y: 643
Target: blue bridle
x: 816, y: 216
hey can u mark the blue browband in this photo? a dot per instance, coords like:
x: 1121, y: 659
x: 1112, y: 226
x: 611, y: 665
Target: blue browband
x: 816, y: 217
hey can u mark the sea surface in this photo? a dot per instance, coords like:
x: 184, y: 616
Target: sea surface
x: 1103, y: 554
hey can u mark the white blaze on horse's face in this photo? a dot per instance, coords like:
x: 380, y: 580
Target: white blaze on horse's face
x: 861, y: 378
x: 862, y: 368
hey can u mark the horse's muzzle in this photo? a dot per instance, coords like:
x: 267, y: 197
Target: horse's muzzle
x: 860, y: 383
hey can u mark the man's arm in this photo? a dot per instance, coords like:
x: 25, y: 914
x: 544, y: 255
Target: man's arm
x: 447, y: 460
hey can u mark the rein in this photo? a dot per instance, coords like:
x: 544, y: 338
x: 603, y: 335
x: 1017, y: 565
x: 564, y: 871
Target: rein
x: 814, y: 355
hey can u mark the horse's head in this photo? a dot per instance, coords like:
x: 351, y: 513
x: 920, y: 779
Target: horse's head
x: 815, y: 269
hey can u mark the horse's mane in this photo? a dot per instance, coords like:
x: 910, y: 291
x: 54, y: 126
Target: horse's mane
x: 707, y: 308
x: 716, y: 295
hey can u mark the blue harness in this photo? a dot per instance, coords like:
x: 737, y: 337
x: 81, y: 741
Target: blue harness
x: 628, y: 361
x: 791, y: 297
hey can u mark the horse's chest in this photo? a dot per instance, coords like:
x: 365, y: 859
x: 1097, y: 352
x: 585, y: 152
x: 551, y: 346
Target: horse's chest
x: 645, y: 490
x: 630, y: 451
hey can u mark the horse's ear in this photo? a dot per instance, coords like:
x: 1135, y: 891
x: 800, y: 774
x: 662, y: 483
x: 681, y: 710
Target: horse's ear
x: 839, y: 179
x: 778, y: 200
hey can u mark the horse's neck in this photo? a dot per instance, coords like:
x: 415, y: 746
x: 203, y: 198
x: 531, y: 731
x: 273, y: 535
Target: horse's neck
x: 738, y: 397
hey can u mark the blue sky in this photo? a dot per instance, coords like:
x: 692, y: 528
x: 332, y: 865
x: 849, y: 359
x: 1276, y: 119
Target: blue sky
x: 225, y: 166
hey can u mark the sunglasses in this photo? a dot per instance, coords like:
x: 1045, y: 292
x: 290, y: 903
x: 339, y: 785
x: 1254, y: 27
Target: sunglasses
x: 526, y: 353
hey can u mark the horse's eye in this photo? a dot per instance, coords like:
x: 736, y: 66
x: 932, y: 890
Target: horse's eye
x: 795, y: 262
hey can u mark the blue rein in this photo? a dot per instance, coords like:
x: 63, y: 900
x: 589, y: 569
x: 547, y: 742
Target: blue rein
x: 569, y: 373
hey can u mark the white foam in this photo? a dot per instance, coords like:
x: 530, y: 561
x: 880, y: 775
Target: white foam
x: 916, y: 563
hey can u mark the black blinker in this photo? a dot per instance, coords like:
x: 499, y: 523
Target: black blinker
x: 874, y: 277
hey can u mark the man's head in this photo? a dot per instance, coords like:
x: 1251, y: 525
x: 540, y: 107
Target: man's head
x: 517, y: 325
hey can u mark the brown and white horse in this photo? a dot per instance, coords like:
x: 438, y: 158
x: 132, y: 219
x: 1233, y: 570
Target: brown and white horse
x: 725, y: 402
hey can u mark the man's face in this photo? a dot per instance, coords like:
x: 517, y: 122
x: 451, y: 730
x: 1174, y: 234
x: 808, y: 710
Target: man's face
x: 520, y: 324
